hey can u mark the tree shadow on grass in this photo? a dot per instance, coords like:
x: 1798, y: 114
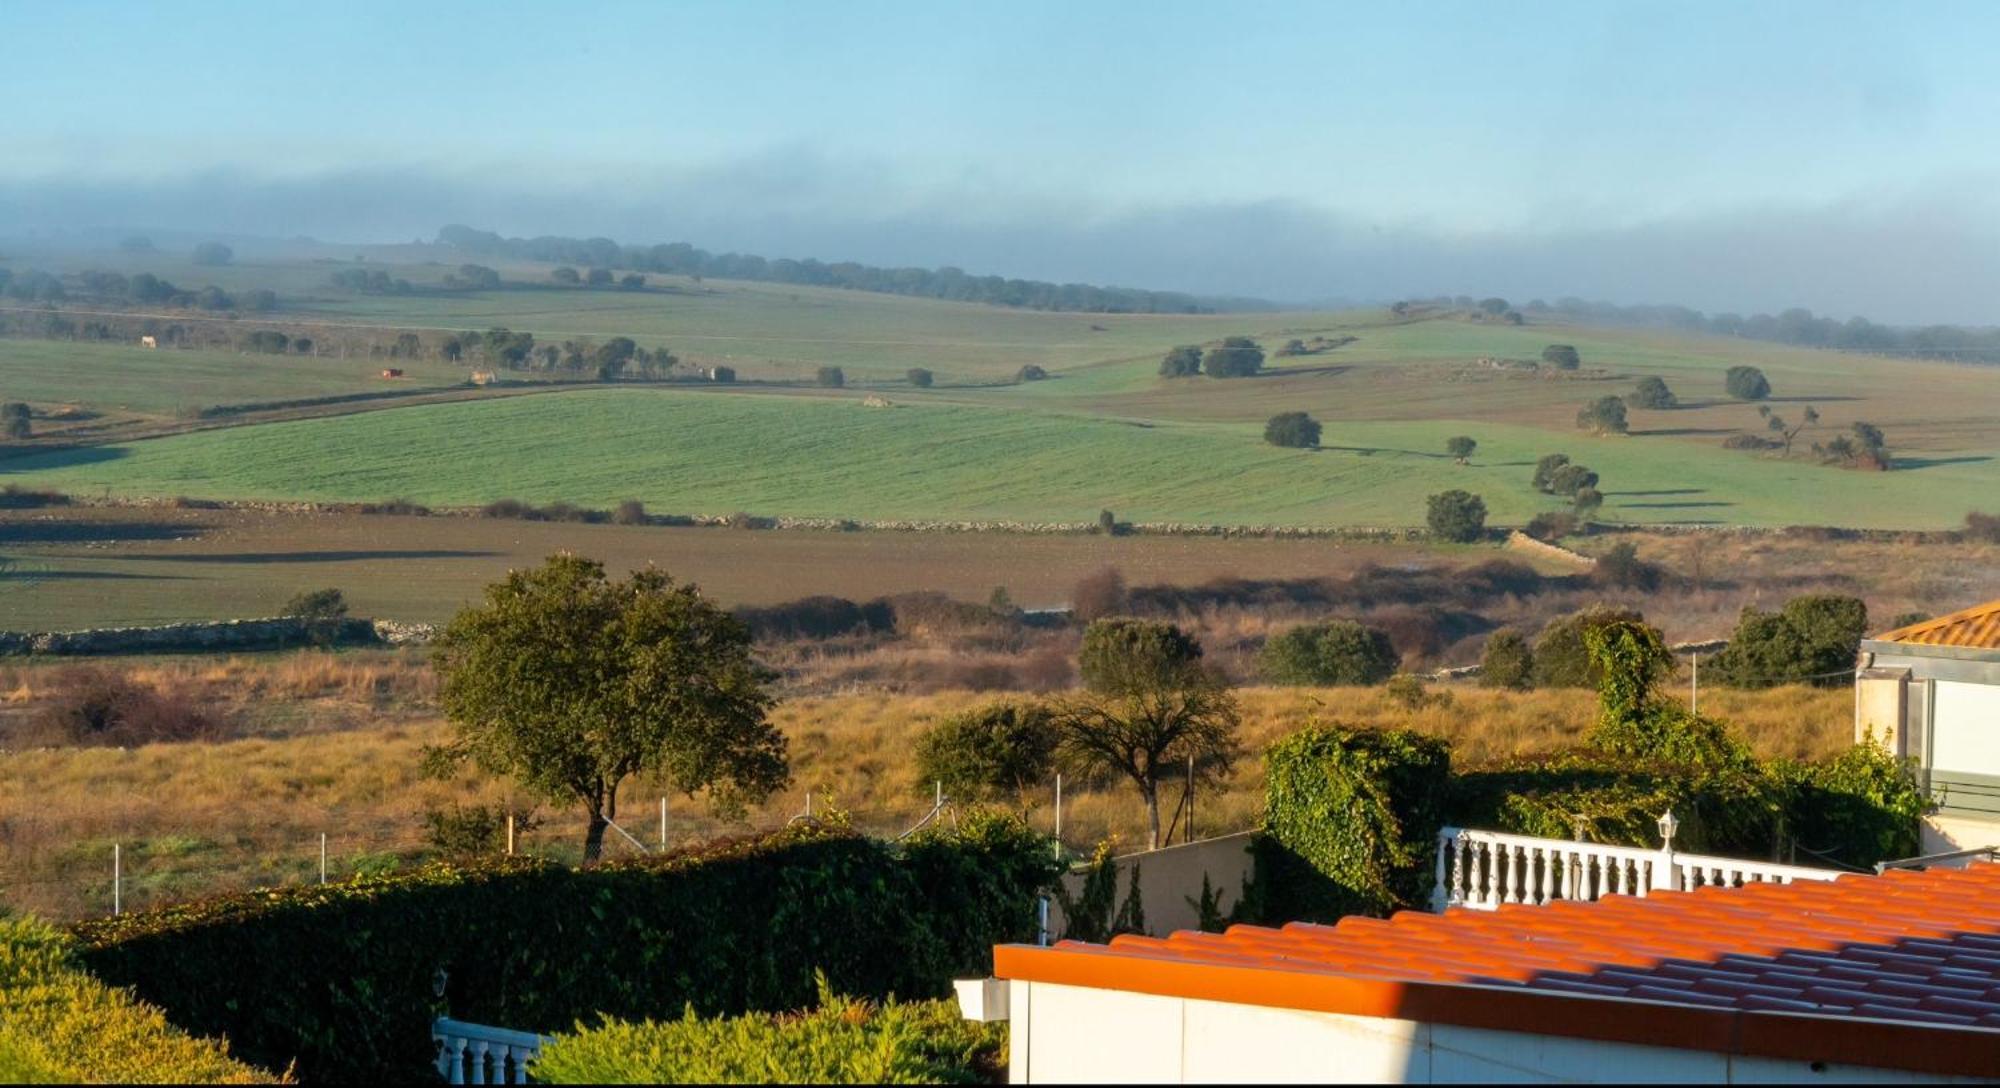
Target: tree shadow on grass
x: 19, y: 574
x: 1932, y: 462
x: 1660, y: 491
x: 66, y: 457
x: 70, y: 532
x: 1683, y: 432
x: 1670, y: 505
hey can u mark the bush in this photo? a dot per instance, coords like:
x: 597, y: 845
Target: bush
x: 1551, y: 525
x: 1409, y: 691
x: 1457, y: 516
x: 842, y: 1041
x: 318, y: 604
x: 1119, y: 656
x: 1327, y: 654
x: 1983, y: 527
x: 1507, y: 662
x: 1235, y: 357
x: 58, y: 1025
x: 1107, y: 523
x: 831, y: 377
x: 816, y: 617
x: 463, y: 831
x: 1588, y: 502
x: 1098, y: 595
x: 1751, y: 442
x: 630, y: 512
x: 994, y: 752
x: 1605, y: 415
x: 97, y: 707
x: 1562, y: 660
x: 1181, y: 362
x: 1813, y: 639
x: 1746, y: 383
x: 1562, y: 357
x: 1653, y: 394
x: 1620, y: 566
x: 1351, y: 818
x: 1030, y: 373
x: 1292, y: 430
x: 919, y: 377
x: 1858, y: 808
x: 723, y: 375
x: 335, y: 975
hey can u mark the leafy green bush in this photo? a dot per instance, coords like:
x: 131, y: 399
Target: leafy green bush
x: 59, y: 1025
x: 1235, y: 357
x: 1351, y: 818
x: 336, y: 975
x: 1561, y: 658
x: 1327, y: 654
x: 1813, y: 639
x: 1095, y: 914
x: 1860, y: 807
x: 1456, y: 515
x: 995, y: 751
x: 1121, y: 656
x: 844, y: 1040
x: 1292, y: 430
x: 1746, y: 383
x: 1507, y: 662
x: 1562, y: 357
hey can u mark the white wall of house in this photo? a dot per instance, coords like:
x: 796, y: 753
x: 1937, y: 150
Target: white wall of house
x: 1967, y: 728
x: 1072, y: 1034
x: 1171, y: 876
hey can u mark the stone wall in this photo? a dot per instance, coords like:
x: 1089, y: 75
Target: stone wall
x: 214, y: 636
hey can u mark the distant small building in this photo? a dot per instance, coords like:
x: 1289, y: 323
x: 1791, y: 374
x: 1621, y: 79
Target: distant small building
x: 392, y: 372
x: 1930, y: 692
x: 148, y: 342
x: 484, y: 377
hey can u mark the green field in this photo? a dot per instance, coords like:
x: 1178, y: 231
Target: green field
x: 1104, y: 432
x: 714, y: 453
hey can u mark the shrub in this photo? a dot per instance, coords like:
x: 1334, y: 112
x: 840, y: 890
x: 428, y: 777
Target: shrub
x: 1746, y: 383
x: 1107, y: 523
x: 334, y: 975
x: 1652, y: 393
x: 723, y: 375
x: 1858, y: 808
x: 1588, y: 501
x: 1292, y: 430
x: 1551, y: 525
x: 1351, y: 818
x: 98, y: 707
x: 1813, y: 639
x: 1621, y: 566
x: 1098, y: 595
x: 997, y: 751
x: 318, y: 604
x: 1409, y: 691
x: 843, y: 1040
x: 58, y: 1025
x: 816, y: 617
x: 1235, y: 357
x: 1457, y: 516
x: 468, y: 831
x: 630, y: 512
x: 1562, y: 357
x: 1507, y: 662
x: 1327, y: 654
x: 1983, y: 527
x: 17, y: 420
x: 1120, y: 656
x: 1605, y: 415
x: 1562, y: 660
x: 1181, y: 362
x: 919, y: 377
x: 1030, y: 373
x: 1751, y: 442
x: 831, y: 377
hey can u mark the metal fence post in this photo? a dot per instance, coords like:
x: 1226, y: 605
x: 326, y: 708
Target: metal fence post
x: 322, y: 857
x: 117, y: 880
x: 663, y: 821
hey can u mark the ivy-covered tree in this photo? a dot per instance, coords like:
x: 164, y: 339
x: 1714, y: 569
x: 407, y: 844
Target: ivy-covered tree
x: 570, y: 683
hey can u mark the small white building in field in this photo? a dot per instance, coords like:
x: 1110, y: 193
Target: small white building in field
x: 1931, y: 693
x: 1860, y: 979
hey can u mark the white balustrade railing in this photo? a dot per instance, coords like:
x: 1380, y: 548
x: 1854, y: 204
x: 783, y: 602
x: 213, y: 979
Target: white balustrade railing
x: 1485, y: 869
x: 477, y: 1054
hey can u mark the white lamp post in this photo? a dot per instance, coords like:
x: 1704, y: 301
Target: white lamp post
x: 1666, y: 875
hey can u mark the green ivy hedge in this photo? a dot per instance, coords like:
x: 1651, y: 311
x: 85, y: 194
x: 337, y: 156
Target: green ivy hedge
x: 1618, y: 801
x: 58, y: 1025
x: 1351, y: 818
x: 842, y: 1041
x: 340, y: 977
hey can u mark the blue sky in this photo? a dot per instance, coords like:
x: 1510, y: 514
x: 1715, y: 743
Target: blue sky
x: 1453, y: 124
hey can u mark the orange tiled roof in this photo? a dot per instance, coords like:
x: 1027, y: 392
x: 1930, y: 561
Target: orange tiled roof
x: 1895, y: 971
x: 1975, y: 628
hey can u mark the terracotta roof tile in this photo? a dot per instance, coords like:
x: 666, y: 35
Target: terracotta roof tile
x: 1975, y: 628
x: 1919, y: 949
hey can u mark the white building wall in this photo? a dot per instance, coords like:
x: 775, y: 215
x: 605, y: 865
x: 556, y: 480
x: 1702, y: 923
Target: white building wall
x: 1079, y: 1035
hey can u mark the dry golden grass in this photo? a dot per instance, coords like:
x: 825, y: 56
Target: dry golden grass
x: 196, y: 818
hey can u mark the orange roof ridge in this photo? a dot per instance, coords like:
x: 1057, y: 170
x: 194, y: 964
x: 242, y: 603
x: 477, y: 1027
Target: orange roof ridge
x: 1975, y: 628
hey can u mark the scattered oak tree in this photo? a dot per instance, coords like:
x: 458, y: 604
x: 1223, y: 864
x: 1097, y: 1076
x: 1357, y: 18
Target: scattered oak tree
x: 919, y: 377
x: 1327, y: 654
x: 831, y: 377
x: 17, y: 420
x: 1570, y: 479
x: 1507, y: 662
x: 995, y: 752
x: 1235, y: 357
x: 1562, y: 357
x: 1605, y: 415
x: 571, y: 683
x: 1292, y: 430
x: 1181, y: 362
x: 1653, y: 395
x: 1545, y: 469
x: 1457, y: 516
x: 1460, y: 447
x: 1746, y: 383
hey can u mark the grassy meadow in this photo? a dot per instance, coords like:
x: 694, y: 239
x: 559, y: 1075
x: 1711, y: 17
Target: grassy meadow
x: 315, y: 743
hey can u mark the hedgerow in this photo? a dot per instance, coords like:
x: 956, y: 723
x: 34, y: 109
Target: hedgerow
x: 842, y: 1041
x: 340, y: 977
x: 1351, y: 821
x: 59, y: 1025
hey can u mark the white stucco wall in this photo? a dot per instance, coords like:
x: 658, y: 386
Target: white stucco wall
x: 1070, y: 1034
x: 1945, y: 832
